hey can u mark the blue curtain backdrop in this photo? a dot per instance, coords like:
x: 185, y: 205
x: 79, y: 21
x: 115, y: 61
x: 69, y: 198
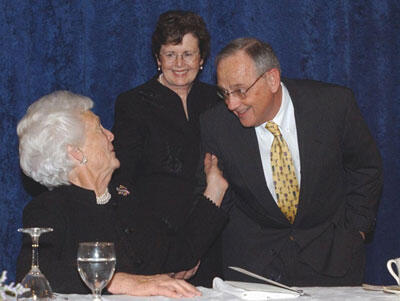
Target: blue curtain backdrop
x: 101, y: 48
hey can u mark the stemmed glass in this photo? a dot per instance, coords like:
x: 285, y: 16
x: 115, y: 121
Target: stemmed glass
x: 37, y: 283
x: 96, y: 265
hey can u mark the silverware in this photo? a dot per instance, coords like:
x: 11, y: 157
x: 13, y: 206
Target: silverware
x: 371, y: 287
x: 243, y: 271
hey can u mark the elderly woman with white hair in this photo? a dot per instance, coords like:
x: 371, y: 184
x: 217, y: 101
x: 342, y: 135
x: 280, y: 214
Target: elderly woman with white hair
x: 63, y: 146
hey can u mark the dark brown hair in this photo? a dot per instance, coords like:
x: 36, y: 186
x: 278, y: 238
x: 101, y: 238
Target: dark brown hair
x: 174, y: 24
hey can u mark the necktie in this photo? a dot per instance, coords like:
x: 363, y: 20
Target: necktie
x: 285, y: 181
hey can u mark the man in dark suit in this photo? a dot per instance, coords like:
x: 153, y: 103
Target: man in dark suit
x: 302, y: 197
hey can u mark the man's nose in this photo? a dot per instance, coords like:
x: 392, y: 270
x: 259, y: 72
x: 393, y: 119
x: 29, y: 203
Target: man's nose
x: 232, y: 102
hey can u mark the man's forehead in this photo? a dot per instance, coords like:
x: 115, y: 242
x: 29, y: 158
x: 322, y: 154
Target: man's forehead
x: 235, y: 69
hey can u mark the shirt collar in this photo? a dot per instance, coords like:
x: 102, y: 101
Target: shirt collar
x: 281, y: 118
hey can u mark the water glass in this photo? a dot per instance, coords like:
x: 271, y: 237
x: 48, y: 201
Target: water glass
x: 96, y: 265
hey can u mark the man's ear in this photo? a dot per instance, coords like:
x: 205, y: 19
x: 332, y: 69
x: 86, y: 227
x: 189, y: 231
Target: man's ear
x: 274, y: 79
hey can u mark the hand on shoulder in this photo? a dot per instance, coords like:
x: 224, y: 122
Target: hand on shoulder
x: 216, y: 183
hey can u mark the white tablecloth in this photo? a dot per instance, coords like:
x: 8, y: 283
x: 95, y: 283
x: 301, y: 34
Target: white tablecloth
x: 315, y: 294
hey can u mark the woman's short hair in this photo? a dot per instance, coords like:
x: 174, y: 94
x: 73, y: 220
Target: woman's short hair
x: 174, y: 24
x: 260, y: 52
x: 50, y: 125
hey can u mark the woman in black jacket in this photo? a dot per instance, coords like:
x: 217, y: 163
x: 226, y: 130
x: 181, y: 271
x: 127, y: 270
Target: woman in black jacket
x: 157, y: 124
x: 64, y: 147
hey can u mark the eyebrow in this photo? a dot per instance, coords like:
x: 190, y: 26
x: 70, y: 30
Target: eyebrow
x: 173, y: 51
x: 234, y: 87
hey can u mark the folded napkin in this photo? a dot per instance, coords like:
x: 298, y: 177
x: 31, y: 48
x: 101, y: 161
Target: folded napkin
x: 252, y: 291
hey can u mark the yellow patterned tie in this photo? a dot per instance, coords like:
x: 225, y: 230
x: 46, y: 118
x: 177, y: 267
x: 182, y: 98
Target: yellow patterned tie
x: 284, y: 175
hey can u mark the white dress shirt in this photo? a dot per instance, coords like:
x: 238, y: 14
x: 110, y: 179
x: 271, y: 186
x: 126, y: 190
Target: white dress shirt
x: 287, y: 125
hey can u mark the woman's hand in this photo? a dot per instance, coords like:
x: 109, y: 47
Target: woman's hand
x: 186, y: 274
x: 155, y: 285
x: 216, y: 183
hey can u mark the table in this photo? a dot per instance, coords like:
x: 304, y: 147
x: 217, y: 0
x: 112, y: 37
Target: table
x: 315, y: 294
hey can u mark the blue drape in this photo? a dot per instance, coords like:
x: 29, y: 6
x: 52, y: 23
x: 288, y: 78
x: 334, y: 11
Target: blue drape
x: 101, y: 48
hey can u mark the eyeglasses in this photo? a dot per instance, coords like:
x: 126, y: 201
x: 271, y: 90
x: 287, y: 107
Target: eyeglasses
x: 187, y: 56
x: 241, y: 93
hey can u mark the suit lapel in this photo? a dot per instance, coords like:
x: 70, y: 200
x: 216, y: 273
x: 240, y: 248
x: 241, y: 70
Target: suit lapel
x: 309, y: 136
x: 247, y: 156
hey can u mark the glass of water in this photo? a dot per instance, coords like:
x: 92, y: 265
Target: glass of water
x: 96, y: 265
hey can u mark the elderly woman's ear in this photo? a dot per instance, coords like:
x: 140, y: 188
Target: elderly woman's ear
x: 76, y: 154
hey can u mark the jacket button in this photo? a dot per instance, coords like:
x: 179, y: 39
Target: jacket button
x: 128, y: 230
x: 291, y: 237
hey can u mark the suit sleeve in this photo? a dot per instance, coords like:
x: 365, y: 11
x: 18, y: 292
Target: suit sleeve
x: 363, y: 171
x: 209, y: 144
x: 129, y: 139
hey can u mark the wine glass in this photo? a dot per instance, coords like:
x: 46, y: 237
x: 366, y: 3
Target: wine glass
x: 37, y: 283
x: 96, y: 265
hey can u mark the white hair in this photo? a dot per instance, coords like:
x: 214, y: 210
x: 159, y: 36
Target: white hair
x: 50, y: 125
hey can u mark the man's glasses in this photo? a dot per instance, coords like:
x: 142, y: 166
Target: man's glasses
x: 241, y: 93
x: 187, y: 56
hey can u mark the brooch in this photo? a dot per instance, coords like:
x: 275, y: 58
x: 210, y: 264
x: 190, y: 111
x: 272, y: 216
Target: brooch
x: 122, y: 190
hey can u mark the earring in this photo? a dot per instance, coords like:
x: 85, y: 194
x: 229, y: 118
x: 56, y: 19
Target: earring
x: 159, y: 68
x: 84, y: 160
x: 201, y: 67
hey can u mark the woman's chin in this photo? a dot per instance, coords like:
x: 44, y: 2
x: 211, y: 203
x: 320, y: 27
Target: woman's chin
x: 116, y: 164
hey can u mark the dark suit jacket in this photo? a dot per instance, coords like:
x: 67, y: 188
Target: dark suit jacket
x: 341, y: 181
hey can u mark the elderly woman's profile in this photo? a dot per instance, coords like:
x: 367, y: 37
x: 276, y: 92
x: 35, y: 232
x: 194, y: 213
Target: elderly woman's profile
x: 63, y: 146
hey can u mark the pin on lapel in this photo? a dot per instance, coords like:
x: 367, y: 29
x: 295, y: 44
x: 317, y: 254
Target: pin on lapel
x: 122, y: 190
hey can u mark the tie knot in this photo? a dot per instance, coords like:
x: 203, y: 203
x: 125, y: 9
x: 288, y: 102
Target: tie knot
x: 273, y: 128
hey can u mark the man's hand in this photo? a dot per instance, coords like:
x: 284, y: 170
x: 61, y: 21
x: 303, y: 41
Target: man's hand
x: 155, y: 285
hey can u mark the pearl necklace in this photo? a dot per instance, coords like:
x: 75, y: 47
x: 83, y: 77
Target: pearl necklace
x: 104, y: 198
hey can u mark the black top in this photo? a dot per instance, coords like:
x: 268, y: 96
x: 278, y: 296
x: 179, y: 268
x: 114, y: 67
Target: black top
x: 145, y: 240
x: 155, y: 143
x: 152, y: 134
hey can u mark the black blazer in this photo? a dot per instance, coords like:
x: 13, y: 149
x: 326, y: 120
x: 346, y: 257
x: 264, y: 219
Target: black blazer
x: 156, y: 143
x: 146, y: 241
x: 341, y: 181
x: 152, y: 134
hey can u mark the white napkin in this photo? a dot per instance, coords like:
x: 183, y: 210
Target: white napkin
x: 252, y: 291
